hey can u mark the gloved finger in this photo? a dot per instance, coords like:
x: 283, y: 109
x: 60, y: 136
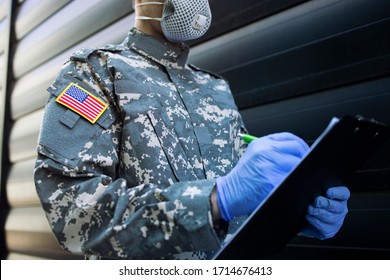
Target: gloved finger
x: 326, y: 216
x: 285, y: 136
x: 290, y: 148
x: 323, y: 230
x: 339, y: 193
x: 331, y: 205
x: 298, y: 144
x: 312, y: 232
x: 287, y: 163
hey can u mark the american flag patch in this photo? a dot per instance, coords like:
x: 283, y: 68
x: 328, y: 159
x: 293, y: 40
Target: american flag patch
x: 82, y: 102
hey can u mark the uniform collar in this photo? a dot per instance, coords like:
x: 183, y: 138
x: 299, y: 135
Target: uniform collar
x: 160, y: 51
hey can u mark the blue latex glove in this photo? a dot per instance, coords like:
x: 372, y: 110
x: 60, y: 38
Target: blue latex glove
x: 266, y: 162
x: 326, y: 215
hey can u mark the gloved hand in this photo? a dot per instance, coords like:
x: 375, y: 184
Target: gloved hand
x: 326, y: 215
x: 266, y: 162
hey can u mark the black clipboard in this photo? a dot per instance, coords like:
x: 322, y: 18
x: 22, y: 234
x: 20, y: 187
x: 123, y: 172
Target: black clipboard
x: 344, y: 146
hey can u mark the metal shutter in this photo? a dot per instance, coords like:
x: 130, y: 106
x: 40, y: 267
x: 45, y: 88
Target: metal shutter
x: 46, y: 33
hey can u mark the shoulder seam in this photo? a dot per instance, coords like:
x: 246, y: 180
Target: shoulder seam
x: 84, y: 53
x: 194, y: 67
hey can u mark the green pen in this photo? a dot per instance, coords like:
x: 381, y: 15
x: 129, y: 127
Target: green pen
x: 247, y: 138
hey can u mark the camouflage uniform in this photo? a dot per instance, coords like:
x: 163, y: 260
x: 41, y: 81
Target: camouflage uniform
x: 136, y: 184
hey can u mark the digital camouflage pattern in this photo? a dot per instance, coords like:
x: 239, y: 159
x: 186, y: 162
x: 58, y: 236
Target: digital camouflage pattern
x: 137, y: 183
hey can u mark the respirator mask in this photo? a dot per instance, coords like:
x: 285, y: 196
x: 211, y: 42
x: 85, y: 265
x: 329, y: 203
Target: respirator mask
x: 182, y: 20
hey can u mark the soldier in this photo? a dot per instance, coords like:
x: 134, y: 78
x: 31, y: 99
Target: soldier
x: 139, y: 155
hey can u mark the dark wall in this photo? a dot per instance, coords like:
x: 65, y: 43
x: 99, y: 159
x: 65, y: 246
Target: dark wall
x: 295, y: 70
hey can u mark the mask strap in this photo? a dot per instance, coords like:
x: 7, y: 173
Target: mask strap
x: 148, y: 18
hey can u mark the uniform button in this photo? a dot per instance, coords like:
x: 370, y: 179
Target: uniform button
x: 106, y: 181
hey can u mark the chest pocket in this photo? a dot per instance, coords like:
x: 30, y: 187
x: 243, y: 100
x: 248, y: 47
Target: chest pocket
x: 152, y: 151
x: 155, y: 146
x: 171, y: 146
x: 65, y: 136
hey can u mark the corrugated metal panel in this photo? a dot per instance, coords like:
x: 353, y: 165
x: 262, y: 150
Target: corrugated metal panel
x: 3, y: 45
x: 2, y: 71
x: 28, y: 232
x: 3, y: 9
x: 75, y: 22
x: 5, y: 27
x: 36, y: 81
x: 34, y: 12
x: 24, y: 137
x: 23, y: 192
x: 49, y: 31
x: 3, y: 34
x: 280, y: 57
x: 288, y: 77
x: 15, y: 256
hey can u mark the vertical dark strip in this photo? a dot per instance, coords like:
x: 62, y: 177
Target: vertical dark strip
x: 7, y: 125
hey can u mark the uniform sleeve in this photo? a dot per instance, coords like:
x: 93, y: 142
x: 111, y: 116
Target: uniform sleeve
x: 91, y: 209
